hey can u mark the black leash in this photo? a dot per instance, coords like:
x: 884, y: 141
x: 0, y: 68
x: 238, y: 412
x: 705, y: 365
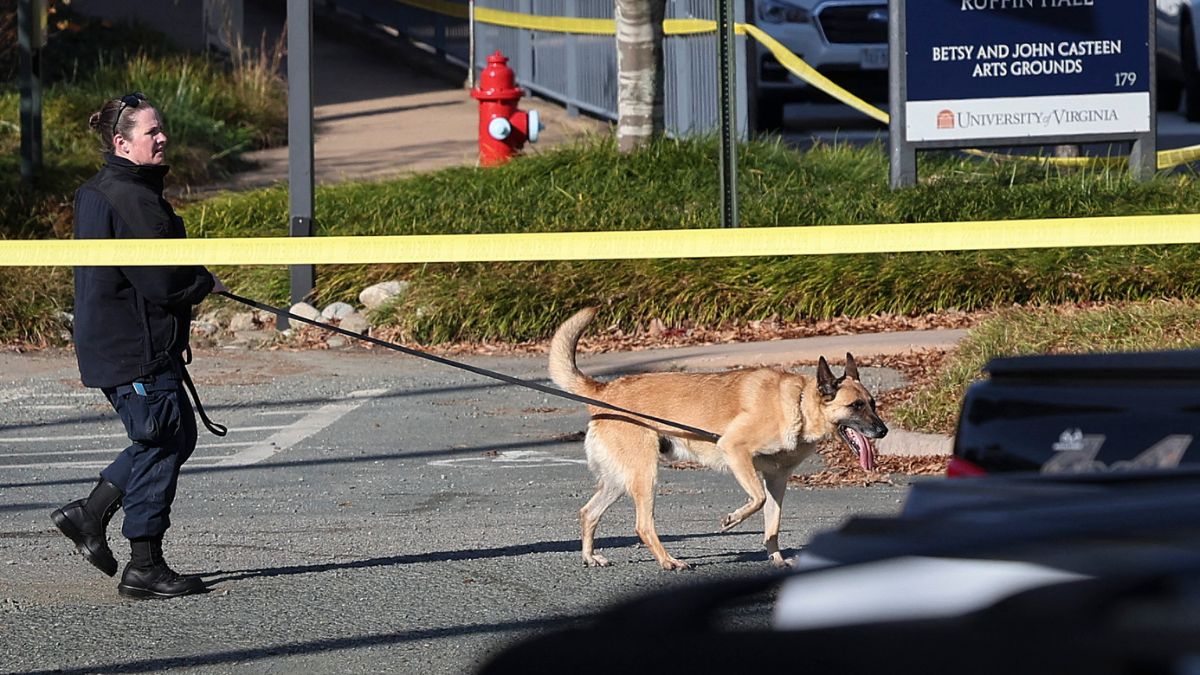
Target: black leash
x: 182, y: 364
x: 706, y: 435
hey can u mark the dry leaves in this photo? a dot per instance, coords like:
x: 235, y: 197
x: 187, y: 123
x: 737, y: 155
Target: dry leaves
x: 842, y: 469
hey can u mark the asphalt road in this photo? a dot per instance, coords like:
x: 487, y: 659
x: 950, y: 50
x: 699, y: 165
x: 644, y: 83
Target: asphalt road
x: 367, y: 513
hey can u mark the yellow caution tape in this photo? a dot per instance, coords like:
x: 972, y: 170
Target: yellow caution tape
x: 1059, y: 161
x: 1164, y: 159
x: 1171, y: 158
x: 810, y: 75
x: 625, y: 245
x: 690, y: 26
x: 550, y: 24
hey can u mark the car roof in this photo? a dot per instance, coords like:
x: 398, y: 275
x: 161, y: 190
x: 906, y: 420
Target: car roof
x: 1184, y: 363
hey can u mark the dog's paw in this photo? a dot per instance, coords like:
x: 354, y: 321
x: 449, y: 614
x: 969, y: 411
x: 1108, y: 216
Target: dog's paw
x: 672, y: 564
x: 781, y: 563
x: 730, y: 521
x: 596, y: 560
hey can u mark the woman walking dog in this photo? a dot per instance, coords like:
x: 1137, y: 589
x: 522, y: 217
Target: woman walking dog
x: 131, y: 342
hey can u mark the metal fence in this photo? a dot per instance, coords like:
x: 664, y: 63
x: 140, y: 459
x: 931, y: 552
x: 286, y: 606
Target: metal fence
x: 579, y: 71
x: 691, y: 65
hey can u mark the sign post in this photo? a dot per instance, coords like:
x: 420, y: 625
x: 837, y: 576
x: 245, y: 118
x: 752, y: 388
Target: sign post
x: 726, y: 115
x: 31, y: 38
x: 300, y: 142
x: 977, y: 73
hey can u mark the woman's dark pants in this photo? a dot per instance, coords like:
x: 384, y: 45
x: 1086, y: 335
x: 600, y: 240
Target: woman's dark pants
x: 158, y: 417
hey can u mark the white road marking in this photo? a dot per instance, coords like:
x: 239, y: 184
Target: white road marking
x: 286, y: 437
x: 114, y: 451
x: 50, y: 407
x: 20, y: 394
x: 88, y: 437
x: 512, y: 458
x: 192, y: 463
x: 301, y: 429
x: 61, y: 465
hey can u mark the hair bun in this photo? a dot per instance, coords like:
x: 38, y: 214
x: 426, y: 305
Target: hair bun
x: 94, y: 121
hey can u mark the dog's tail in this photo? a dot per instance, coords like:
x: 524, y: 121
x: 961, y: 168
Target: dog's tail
x: 563, y: 370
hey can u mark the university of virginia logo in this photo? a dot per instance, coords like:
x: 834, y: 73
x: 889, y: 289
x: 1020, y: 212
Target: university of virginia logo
x: 945, y: 119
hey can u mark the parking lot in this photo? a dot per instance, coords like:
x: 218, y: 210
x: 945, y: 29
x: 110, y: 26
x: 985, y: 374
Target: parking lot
x: 366, y: 513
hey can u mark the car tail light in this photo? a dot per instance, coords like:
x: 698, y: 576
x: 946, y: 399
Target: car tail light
x: 961, y: 468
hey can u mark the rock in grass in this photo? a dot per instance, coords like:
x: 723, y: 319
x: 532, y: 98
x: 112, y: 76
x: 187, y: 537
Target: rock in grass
x: 204, y: 329
x: 374, y: 296
x: 337, y: 310
x: 243, y: 321
x: 306, y: 310
x: 254, y: 338
x: 356, y: 323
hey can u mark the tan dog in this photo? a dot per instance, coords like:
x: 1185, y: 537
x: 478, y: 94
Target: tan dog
x: 768, y: 421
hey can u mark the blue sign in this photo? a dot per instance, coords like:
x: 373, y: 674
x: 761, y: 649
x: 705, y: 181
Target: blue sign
x: 971, y: 49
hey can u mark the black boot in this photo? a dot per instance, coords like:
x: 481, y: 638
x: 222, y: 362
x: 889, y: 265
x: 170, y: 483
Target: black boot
x: 147, y: 574
x: 85, y: 521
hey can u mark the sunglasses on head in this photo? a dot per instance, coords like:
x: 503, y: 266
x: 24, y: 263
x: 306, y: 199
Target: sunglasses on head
x: 127, y: 101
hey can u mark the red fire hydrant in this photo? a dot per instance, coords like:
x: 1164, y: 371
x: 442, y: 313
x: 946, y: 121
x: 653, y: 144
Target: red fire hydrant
x: 503, y: 129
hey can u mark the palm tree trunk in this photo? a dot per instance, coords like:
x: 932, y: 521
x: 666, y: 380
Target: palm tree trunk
x: 639, y: 71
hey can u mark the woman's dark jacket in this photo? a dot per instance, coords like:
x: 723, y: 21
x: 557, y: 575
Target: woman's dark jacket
x: 130, y: 321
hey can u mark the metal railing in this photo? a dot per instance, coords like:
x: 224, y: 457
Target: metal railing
x: 447, y: 35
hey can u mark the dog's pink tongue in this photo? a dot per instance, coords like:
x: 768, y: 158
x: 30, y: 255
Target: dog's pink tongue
x: 866, y: 452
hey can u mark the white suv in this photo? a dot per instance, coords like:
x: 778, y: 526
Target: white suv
x: 846, y: 40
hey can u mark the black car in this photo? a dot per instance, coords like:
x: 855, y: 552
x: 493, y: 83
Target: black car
x: 1090, y: 574
x: 1081, y: 413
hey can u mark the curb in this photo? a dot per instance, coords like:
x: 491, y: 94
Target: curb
x: 901, y: 443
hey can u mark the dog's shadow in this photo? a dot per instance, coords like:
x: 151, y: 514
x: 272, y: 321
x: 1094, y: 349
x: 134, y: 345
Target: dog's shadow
x: 565, y: 546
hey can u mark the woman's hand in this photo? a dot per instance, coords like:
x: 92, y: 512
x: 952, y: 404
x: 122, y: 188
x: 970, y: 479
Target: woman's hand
x: 218, y: 287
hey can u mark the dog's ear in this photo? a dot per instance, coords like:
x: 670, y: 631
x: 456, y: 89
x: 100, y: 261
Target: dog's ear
x: 827, y: 384
x: 851, y: 367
